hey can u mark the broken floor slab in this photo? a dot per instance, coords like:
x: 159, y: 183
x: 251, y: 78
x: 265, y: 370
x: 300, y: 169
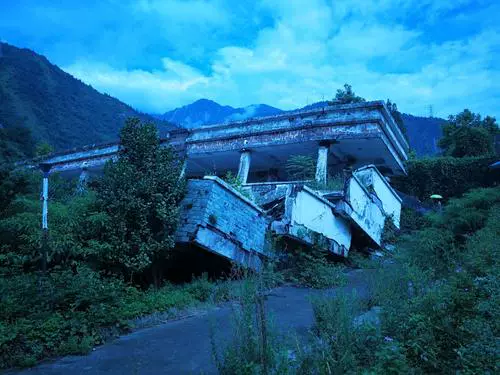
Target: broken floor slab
x: 222, y: 220
x: 309, y: 218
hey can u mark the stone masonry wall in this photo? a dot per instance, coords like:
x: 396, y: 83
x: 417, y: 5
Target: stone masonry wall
x: 213, y: 204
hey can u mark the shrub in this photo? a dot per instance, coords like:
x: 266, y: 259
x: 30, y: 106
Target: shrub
x: 440, y: 300
x: 412, y: 220
x: 389, y: 231
x: 201, y: 288
x: 301, y: 167
x: 447, y: 176
x: 311, y: 268
x: 254, y: 347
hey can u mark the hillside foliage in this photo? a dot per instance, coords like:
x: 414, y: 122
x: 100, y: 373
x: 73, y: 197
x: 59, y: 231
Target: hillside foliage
x: 468, y: 134
x: 56, y: 107
x: 446, y: 176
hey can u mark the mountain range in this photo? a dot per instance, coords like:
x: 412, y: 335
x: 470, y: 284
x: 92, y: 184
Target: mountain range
x: 423, y: 132
x: 66, y: 113
x: 58, y: 108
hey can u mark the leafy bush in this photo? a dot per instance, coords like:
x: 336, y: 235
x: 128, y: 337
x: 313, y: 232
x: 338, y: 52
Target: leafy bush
x: 237, y: 184
x: 201, y: 288
x: 447, y: 176
x: 412, y: 220
x: 300, y: 168
x: 389, y: 231
x: 311, y: 268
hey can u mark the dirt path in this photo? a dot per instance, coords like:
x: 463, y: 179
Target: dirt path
x: 183, y: 346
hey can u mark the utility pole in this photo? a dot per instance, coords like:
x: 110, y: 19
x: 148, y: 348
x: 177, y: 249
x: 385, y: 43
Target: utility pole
x: 431, y: 112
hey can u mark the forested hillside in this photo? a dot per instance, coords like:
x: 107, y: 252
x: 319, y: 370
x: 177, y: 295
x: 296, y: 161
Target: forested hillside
x: 423, y: 133
x: 56, y: 107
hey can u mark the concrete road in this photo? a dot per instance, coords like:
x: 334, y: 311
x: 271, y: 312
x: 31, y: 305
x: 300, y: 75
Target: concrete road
x: 184, y: 346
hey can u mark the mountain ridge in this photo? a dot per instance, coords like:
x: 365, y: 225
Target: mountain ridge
x: 58, y: 108
x: 206, y: 111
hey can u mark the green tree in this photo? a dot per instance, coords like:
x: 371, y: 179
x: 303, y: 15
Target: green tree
x: 301, y: 167
x: 393, y: 108
x: 347, y: 95
x: 43, y: 149
x: 140, y: 193
x: 467, y: 134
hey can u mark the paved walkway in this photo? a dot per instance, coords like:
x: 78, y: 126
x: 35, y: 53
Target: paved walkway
x: 184, y: 346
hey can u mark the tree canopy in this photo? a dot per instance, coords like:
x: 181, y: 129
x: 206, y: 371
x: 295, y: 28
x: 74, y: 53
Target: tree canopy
x: 140, y: 193
x: 347, y: 95
x: 468, y: 134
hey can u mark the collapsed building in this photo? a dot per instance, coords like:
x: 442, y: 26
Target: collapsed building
x: 357, y: 147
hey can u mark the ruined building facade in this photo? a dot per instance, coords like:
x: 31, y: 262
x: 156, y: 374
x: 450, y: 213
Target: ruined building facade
x: 360, y: 142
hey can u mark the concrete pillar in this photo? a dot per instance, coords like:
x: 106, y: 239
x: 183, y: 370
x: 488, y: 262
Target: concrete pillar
x: 45, y: 200
x: 183, y: 169
x: 244, y: 168
x: 82, y: 180
x: 45, y: 213
x: 322, y: 163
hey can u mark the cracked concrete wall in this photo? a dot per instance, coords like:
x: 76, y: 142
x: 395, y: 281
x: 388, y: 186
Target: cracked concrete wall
x: 318, y: 215
x: 391, y: 202
x: 365, y: 212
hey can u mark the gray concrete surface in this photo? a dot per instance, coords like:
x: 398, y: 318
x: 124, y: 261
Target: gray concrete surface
x: 184, y: 346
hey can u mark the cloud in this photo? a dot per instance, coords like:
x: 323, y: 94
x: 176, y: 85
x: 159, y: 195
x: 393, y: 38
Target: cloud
x: 150, y: 91
x: 290, y: 53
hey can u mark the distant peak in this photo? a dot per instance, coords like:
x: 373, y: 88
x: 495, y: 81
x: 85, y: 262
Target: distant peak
x: 204, y: 102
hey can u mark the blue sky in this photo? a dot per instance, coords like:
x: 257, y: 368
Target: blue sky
x: 160, y: 54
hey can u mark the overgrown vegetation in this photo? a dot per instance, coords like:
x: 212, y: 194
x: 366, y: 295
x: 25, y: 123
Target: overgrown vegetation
x: 447, y: 176
x: 303, y: 168
x: 69, y: 313
x: 236, y: 183
x: 254, y: 346
x: 106, y: 247
x: 300, y: 168
x: 311, y: 268
x: 434, y: 308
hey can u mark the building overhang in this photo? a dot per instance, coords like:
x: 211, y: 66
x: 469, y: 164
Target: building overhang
x: 364, y: 132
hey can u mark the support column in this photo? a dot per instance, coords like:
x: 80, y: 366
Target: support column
x: 183, y: 169
x: 322, y: 163
x: 82, y: 180
x: 45, y: 195
x: 244, y: 167
x: 45, y: 213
